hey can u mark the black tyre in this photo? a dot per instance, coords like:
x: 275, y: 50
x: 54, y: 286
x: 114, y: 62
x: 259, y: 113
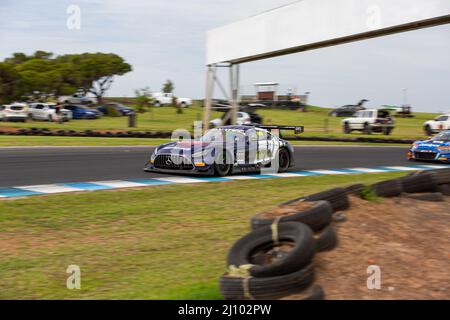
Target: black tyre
x: 336, y: 197
x: 284, y: 160
x: 419, y: 182
x: 221, y: 167
x: 261, y: 239
x: 428, y: 130
x: 317, y: 217
x: 442, y: 176
x: 315, y: 293
x: 387, y: 131
x: 444, y: 189
x: 431, y: 197
x: 269, y: 288
x: 367, y: 129
x: 355, y: 190
x: 388, y: 189
x: 326, y: 240
x: 347, y: 129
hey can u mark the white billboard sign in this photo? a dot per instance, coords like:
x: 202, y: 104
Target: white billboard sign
x: 311, y: 24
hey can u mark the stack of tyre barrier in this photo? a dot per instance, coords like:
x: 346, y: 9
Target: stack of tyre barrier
x: 425, y: 185
x: 259, y: 267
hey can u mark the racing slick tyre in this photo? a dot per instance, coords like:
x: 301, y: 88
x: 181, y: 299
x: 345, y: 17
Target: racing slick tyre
x: 355, y: 190
x: 428, y: 130
x: 388, y: 188
x: 284, y: 160
x: 431, y: 197
x: 326, y: 240
x: 221, y: 167
x: 262, y: 239
x: 269, y: 288
x: 419, y: 182
x: 317, y: 217
x: 337, y: 197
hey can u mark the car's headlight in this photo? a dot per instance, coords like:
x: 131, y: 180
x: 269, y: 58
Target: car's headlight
x: 154, y: 154
x: 415, y: 145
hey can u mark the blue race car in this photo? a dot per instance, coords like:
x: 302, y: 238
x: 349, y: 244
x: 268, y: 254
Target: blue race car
x: 435, y: 149
x: 226, y: 150
x: 82, y: 112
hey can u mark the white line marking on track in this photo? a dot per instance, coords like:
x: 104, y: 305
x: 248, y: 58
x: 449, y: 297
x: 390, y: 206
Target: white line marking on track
x: 50, y: 188
x: 119, y: 184
x: 435, y: 166
x: 180, y: 180
x: 328, y: 172
x: 241, y: 177
x: 367, y: 170
x: 286, y: 175
x: 402, y: 168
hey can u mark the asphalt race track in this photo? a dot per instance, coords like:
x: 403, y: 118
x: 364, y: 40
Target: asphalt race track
x: 37, y: 166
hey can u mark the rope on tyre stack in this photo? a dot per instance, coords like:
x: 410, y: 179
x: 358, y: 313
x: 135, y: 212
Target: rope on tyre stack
x: 274, y: 227
x: 242, y: 272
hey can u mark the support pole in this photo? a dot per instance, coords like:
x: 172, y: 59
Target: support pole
x: 210, y: 76
x: 234, y: 89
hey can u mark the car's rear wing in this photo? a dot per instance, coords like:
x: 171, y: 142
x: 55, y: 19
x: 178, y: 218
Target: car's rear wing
x: 296, y: 129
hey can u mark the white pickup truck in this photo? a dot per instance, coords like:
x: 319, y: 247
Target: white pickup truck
x: 437, y: 125
x: 163, y: 99
x: 368, y: 121
x: 77, y: 98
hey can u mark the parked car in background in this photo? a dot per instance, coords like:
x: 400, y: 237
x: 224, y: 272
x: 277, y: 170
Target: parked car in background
x: 82, y: 112
x: 243, y: 118
x: 345, y: 111
x: 14, y: 112
x: 47, y: 111
x: 118, y: 107
x: 438, y: 124
x: 163, y: 99
x: 368, y: 121
x: 348, y: 110
x: 77, y: 98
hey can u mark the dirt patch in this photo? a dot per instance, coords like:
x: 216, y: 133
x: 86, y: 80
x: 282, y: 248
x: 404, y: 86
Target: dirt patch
x: 408, y: 239
x: 286, y: 210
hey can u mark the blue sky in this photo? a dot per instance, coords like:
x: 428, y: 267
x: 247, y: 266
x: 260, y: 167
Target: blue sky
x: 166, y: 40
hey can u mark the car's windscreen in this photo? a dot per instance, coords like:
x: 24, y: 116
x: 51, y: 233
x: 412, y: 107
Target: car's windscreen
x: 444, y: 136
x: 216, y: 134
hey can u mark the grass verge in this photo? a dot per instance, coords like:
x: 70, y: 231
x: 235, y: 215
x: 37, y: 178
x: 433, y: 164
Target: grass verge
x: 167, y: 242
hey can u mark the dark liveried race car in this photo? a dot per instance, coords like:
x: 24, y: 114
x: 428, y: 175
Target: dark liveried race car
x: 226, y: 150
x: 435, y: 149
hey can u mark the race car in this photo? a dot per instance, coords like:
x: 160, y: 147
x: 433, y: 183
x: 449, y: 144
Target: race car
x: 435, y: 149
x: 226, y: 150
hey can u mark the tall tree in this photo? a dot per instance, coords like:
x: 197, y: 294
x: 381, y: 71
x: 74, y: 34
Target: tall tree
x: 168, y: 87
x: 96, y: 71
x: 10, y: 83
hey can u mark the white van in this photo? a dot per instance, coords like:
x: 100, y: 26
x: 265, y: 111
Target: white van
x: 14, y: 112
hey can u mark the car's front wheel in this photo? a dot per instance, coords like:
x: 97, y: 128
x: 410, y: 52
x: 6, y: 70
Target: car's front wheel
x: 428, y: 130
